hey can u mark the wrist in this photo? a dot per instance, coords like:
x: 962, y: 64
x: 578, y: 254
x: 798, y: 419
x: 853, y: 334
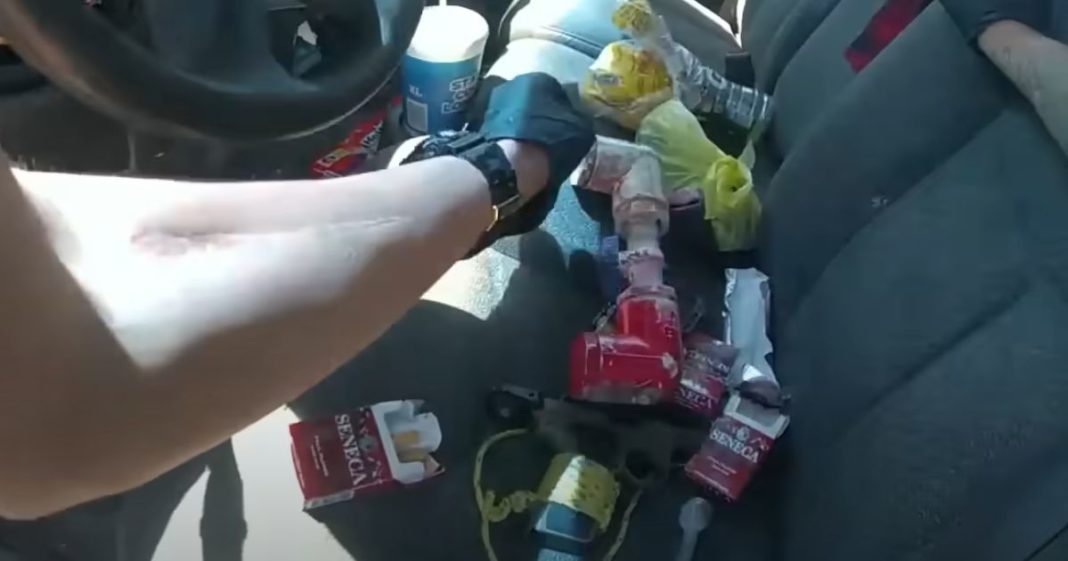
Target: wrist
x: 531, y: 165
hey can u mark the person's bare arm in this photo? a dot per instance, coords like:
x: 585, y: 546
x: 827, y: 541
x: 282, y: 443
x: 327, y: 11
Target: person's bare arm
x: 1009, y: 33
x: 1037, y: 65
x: 261, y: 289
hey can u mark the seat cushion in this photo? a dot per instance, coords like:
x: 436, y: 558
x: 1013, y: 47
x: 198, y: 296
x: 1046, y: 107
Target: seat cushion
x: 919, y: 261
x: 879, y: 137
x: 928, y: 357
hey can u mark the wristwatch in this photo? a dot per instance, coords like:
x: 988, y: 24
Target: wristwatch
x: 487, y: 157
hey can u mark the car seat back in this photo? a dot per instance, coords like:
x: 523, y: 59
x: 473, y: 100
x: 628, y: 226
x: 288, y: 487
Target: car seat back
x: 774, y: 30
x: 815, y: 71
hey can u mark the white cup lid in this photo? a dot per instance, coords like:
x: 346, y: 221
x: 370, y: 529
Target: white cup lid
x: 449, y: 33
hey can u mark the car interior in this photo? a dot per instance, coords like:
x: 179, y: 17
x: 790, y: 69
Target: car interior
x: 914, y: 236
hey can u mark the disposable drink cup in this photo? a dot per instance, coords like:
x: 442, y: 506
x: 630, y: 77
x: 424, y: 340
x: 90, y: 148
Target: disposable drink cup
x: 441, y: 68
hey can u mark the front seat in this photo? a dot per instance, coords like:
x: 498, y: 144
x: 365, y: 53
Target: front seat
x: 919, y: 259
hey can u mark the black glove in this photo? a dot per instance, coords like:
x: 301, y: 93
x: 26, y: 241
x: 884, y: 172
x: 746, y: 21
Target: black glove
x: 530, y: 108
x: 974, y: 16
x: 534, y: 108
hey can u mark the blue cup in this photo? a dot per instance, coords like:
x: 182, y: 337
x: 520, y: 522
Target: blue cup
x: 441, y: 68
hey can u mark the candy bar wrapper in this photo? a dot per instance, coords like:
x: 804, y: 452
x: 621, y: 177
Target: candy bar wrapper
x: 705, y: 366
x: 350, y: 155
x: 369, y: 448
x: 738, y: 443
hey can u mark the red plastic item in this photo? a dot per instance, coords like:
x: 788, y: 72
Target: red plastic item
x: 351, y: 153
x: 639, y: 363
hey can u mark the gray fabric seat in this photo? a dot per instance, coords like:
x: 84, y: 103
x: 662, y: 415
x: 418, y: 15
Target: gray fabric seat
x: 917, y: 249
x: 799, y: 47
x: 919, y: 259
x: 774, y: 30
x: 816, y: 72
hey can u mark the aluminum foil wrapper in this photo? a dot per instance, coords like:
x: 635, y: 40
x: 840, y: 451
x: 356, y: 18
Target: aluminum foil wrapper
x: 747, y: 301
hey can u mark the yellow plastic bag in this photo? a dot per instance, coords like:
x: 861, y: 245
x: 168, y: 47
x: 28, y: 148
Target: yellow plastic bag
x: 625, y: 83
x: 689, y: 159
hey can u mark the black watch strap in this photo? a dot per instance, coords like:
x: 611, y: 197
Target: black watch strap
x: 490, y: 159
x: 487, y: 156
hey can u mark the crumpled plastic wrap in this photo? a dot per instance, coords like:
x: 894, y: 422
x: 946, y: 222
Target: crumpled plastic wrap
x: 699, y: 87
x: 688, y: 160
x: 638, y: 19
x: 626, y: 82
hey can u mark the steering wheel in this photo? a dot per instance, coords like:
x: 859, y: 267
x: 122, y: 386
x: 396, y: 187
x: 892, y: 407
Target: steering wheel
x: 209, y: 67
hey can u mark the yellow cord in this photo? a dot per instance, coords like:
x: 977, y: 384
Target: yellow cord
x: 492, y: 510
x: 486, y: 505
x: 624, y: 525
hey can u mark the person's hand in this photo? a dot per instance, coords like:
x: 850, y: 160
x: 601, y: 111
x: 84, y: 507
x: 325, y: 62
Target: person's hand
x: 973, y: 17
x: 536, y: 124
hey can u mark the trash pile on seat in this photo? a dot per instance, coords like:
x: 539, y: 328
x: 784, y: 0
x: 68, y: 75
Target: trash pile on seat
x: 658, y: 88
x: 650, y: 396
